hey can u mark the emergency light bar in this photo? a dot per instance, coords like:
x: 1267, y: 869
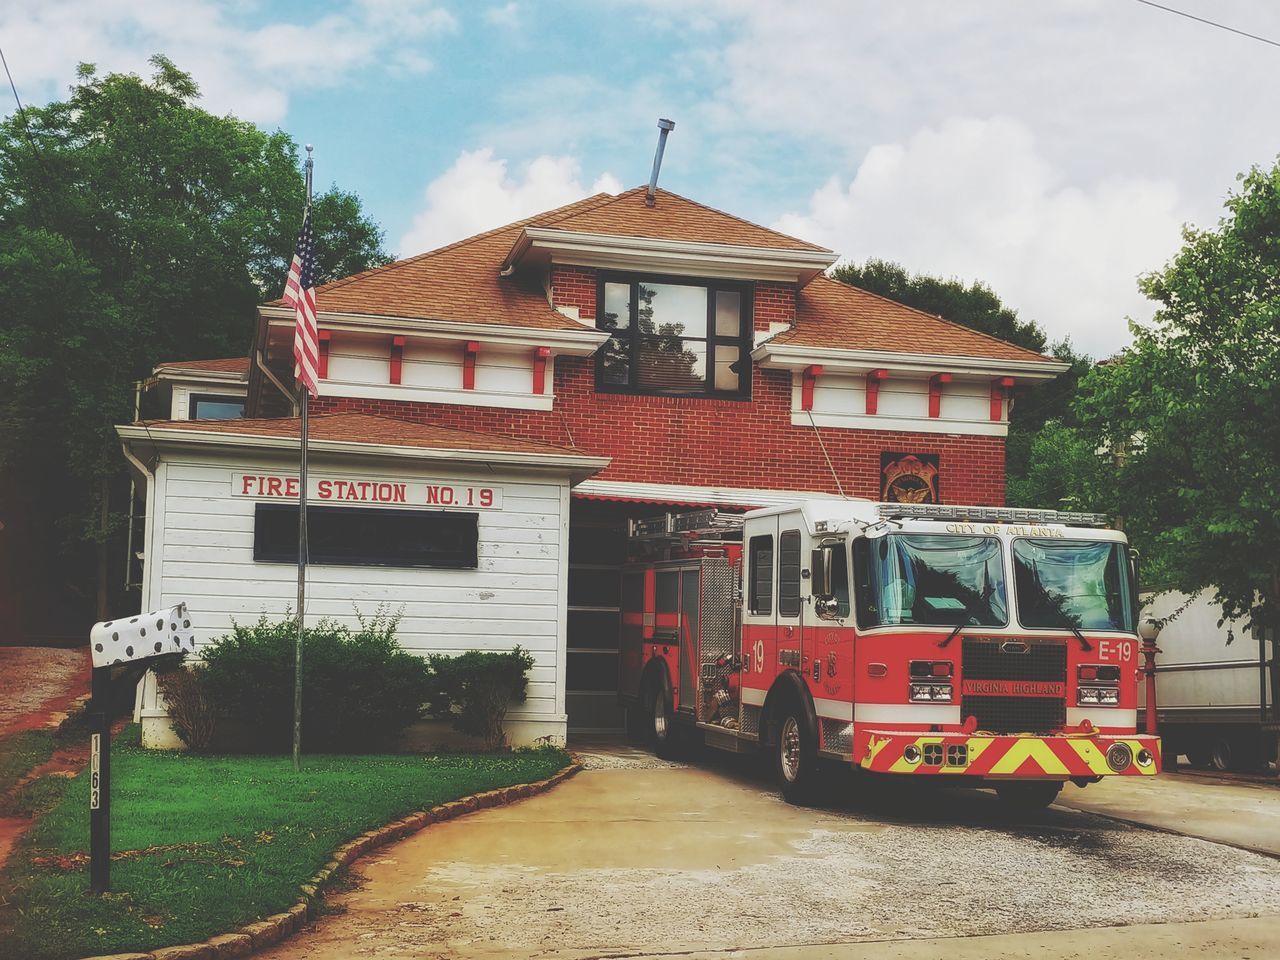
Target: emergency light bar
x: 942, y: 511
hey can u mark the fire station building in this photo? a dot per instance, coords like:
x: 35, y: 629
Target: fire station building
x: 491, y: 414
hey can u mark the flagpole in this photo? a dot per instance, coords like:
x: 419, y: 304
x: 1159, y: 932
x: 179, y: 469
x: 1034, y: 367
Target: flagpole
x: 302, y: 538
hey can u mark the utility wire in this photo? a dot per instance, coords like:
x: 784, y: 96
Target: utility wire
x: 1211, y: 23
x: 22, y: 115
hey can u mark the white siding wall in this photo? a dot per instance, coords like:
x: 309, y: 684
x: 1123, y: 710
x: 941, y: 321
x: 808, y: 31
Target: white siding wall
x: 200, y: 551
x: 903, y: 404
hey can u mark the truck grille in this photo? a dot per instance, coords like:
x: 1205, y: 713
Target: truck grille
x: 1015, y: 714
x: 995, y: 658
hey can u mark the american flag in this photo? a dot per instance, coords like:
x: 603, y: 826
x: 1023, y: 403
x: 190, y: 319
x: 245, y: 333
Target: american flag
x: 300, y: 293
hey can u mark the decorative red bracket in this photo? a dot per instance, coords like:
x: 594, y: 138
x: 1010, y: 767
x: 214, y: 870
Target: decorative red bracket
x: 540, y: 355
x: 469, y: 351
x: 873, y: 389
x: 322, y: 365
x: 1000, y: 388
x: 935, y: 393
x: 397, y: 358
x: 809, y: 378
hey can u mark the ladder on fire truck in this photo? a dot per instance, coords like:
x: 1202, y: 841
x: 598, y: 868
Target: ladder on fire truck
x: 709, y: 524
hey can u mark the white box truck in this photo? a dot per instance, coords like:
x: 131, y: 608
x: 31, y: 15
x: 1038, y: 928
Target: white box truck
x: 1215, y: 686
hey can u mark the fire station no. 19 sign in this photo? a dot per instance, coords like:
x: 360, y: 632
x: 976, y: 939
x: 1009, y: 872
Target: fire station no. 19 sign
x: 368, y: 491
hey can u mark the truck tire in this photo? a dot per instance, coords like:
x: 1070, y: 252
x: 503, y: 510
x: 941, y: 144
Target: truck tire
x: 1237, y: 752
x: 1222, y: 754
x: 660, y: 715
x: 795, y: 757
x: 1023, y: 797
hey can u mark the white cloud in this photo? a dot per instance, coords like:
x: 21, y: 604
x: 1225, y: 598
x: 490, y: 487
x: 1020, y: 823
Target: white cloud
x: 979, y: 200
x: 507, y: 15
x: 477, y: 194
x: 251, y: 71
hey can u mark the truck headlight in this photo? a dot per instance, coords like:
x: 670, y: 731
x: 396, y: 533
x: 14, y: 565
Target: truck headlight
x: 1100, y: 696
x: 930, y: 692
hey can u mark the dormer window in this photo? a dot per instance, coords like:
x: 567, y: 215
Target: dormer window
x: 674, y: 336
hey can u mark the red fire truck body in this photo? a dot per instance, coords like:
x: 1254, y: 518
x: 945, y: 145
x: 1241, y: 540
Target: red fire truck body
x: 987, y: 645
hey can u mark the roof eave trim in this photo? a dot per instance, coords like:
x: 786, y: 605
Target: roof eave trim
x: 792, y: 357
x: 577, y: 341
x: 200, y: 376
x: 690, y: 257
x: 211, y: 439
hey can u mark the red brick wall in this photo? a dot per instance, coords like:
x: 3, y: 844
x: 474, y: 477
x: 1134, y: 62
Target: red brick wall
x: 575, y: 287
x: 713, y: 442
x: 774, y: 303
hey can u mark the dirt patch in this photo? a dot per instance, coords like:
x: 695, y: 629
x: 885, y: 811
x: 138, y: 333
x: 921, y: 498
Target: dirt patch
x: 41, y: 685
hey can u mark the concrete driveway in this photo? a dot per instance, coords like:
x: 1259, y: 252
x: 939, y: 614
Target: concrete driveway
x: 634, y: 858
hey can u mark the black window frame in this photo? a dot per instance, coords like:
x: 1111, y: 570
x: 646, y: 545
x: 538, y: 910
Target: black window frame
x: 744, y: 342
x: 789, y: 564
x: 759, y: 546
x: 264, y: 552
x: 196, y: 398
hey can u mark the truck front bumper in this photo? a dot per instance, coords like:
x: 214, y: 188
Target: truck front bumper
x: 1008, y: 756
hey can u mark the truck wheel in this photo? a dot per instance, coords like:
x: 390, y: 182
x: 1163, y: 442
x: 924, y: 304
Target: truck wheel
x: 661, y: 732
x: 1027, y: 796
x: 795, y: 759
x: 1241, y: 752
x: 1221, y: 754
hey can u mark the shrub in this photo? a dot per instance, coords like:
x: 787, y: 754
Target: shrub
x: 190, y: 707
x: 474, y: 690
x: 359, y: 688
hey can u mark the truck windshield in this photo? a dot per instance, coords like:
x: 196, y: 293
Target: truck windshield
x: 1080, y: 583
x: 930, y: 579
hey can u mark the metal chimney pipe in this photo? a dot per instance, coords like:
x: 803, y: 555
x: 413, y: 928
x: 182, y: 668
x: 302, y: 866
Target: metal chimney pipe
x: 664, y: 127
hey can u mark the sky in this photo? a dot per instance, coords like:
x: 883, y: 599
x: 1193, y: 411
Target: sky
x: 1053, y: 150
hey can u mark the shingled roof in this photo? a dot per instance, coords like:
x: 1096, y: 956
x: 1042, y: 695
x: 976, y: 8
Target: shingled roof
x: 239, y: 365
x: 672, y: 217
x: 367, y: 428
x: 460, y: 283
x: 833, y: 314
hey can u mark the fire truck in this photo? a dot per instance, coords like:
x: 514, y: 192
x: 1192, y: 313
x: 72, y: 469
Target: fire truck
x: 986, y: 646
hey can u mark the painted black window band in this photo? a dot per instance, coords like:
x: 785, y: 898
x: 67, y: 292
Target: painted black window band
x: 367, y: 536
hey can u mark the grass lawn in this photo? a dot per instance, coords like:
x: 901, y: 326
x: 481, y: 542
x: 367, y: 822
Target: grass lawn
x: 221, y: 840
x: 19, y: 752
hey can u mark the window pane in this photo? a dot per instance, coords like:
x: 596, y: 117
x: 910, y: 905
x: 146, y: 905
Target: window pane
x: 1062, y: 583
x: 760, y: 582
x: 672, y: 309
x: 789, y: 574
x: 216, y: 408
x: 592, y: 629
x: 938, y: 580
x: 615, y: 362
x: 728, y: 313
x: 727, y: 368
x: 592, y: 671
x: 672, y: 365
x: 617, y: 307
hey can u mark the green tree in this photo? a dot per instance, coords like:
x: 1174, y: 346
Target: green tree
x: 977, y: 307
x: 135, y: 228
x: 1193, y: 408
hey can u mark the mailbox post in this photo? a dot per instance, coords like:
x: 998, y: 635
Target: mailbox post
x: 122, y: 651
